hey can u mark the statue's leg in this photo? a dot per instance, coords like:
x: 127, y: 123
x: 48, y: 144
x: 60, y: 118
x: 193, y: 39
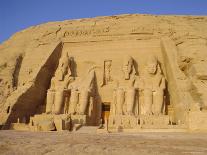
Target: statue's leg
x: 58, y: 102
x: 66, y: 101
x: 130, y: 98
x: 84, y: 99
x: 113, y: 104
x: 147, y: 102
x: 120, y: 101
x: 158, y: 102
x: 49, y: 101
x: 73, y: 101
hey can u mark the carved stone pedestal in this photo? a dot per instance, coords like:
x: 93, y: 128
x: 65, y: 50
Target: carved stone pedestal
x: 122, y: 121
x: 49, y: 122
x: 153, y: 121
x: 79, y: 119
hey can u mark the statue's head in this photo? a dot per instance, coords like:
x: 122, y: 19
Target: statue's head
x: 71, y: 60
x: 152, y: 64
x: 127, y: 67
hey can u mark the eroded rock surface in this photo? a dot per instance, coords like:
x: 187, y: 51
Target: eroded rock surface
x: 30, y: 59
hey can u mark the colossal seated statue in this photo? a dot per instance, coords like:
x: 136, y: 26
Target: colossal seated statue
x: 153, y: 86
x: 125, y: 92
x: 59, y: 82
x: 82, y: 93
x: 78, y: 90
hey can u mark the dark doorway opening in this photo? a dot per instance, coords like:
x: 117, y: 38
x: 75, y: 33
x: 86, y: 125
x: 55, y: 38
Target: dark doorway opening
x: 105, y: 111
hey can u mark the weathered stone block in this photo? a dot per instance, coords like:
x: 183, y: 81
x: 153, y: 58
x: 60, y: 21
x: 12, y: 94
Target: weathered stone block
x: 154, y: 121
x: 198, y: 120
x: 123, y: 121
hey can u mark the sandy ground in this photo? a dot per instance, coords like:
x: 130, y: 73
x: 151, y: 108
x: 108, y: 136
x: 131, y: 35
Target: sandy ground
x: 18, y: 142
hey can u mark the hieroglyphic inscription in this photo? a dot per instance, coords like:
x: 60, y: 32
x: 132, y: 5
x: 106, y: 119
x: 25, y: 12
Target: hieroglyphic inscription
x: 86, y: 32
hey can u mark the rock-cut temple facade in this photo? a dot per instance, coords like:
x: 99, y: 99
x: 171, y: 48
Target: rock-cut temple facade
x: 118, y: 73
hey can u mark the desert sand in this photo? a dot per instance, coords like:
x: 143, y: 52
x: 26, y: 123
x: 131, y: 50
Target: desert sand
x: 19, y: 142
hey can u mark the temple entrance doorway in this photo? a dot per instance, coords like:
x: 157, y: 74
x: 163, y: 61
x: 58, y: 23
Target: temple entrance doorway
x: 105, y: 111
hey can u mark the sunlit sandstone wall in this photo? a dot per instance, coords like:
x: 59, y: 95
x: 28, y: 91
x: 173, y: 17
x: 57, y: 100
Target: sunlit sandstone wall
x: 89, y: 54
x: 24, y: 55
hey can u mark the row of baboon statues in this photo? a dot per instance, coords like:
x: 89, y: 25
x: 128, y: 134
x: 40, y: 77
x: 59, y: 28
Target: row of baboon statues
x: 73, y: 95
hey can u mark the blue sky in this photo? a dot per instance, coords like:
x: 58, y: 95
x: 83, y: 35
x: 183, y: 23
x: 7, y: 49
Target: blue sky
x: 16, y: 15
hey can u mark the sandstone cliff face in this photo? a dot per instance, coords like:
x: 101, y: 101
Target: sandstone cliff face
x: 29, y: 58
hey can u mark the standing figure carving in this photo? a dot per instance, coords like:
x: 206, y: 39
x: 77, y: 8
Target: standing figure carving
x: 59, y: 82
x: 153, y: 87
x: 125, y: 92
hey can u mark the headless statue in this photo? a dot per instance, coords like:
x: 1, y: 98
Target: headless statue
x: 63, y: 76
x: 81, y: 91
x: 153, y: 87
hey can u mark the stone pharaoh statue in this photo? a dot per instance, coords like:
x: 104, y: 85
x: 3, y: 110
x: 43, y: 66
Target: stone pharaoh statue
x: 63, y: 76
x: 124, y: 94
x: 81, y: 94
x: 153, y: 87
